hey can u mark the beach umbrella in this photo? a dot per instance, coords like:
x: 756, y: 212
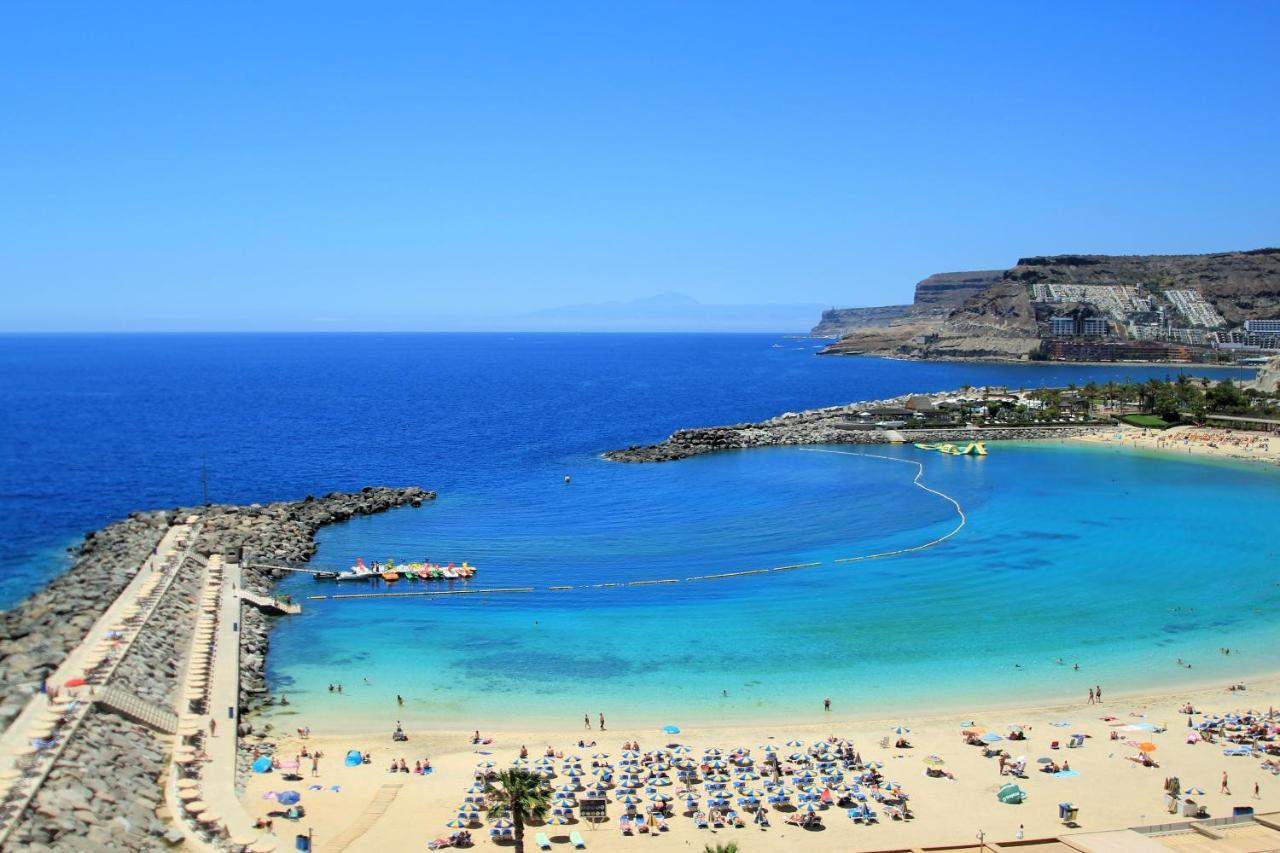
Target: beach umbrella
x: 682, y: 750
x: 1146, y: 746
x: 1044, y: 759
x: 557, y: 820
x: 474, y: 788
x: 659, y: 797
x: 810, y: 807
x: 671, y: 730
x: 755, y: 793
x: 629, y: 799
x: 503, y: 823
x: 573, y: 772
x: 795, y: 744
x: 1196, y: 792
x: 288, y: 798
x: 468, y: 808
x: 717, y: 777
x: 458, y: 823
x: 991, y: 737
x: 599, y: 755
x: 543, y: 762
x: 630, y: 753
x: 711, y: 750
x: 902, y: 730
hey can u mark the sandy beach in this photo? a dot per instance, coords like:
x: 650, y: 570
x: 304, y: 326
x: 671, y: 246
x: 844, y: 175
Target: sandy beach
x: 1193, y: 440
x: 1111, y: 790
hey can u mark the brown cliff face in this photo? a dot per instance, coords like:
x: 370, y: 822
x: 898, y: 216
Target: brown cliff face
x: 1240, y: 285
x: 934, y: 297
x: 999, y: 321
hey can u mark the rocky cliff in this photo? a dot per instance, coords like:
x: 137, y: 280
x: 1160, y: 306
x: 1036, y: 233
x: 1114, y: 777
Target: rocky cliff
x: 998, y: 321
x: 934, y: 297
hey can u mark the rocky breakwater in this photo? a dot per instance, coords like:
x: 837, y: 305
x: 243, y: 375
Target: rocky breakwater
x: 105, y: 792
x: 815, y: 426
x: 283, y: 531
x: 37, y: 634
x: 820, y: 426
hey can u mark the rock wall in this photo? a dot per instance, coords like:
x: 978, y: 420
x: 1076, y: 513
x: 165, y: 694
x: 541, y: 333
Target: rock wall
x: 934, y: 297
x: 104, y: 791
x: 37, y: 634
x: 816, y: 426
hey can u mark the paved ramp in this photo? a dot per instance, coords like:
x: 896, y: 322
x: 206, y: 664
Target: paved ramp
x: 376, y: 809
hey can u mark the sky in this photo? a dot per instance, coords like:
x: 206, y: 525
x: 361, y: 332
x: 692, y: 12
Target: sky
x: 318, y: 166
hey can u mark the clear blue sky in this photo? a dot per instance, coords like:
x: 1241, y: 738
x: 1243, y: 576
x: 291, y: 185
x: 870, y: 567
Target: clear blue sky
x: 375, y: 165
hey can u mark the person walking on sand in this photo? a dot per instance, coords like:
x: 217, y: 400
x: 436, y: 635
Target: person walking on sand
x: 586, y: 721
x: 315, y: 764
x: 213, y: 727
x: 1257, y: 791
x: 602, y: 721
x: 1225, y: 788
x: 1097, y: 691
x: 1090, y: 695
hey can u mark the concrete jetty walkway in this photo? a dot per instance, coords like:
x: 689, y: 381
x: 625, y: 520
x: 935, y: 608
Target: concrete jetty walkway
x: 205, y: 752
x: 51, y: 720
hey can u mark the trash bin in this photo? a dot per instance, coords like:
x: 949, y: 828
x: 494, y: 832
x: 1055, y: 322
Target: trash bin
x: 302, y: 842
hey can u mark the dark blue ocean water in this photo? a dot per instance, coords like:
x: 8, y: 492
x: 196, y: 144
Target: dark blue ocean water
x: 95, y: 426
x: 1090, y: 554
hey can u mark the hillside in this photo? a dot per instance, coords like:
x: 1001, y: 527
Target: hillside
x: 1002, y: 320
x: 935, y: 296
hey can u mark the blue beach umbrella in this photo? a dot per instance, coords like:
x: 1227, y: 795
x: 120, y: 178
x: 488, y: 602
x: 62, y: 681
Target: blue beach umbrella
x: 502, y: 823
x: 671, y: 730
x: 902, y: 730
x: 795, y: 744
x: 458, y: 823
x: 476, y: 788
x: 991, y: 737
x: 557, y: 820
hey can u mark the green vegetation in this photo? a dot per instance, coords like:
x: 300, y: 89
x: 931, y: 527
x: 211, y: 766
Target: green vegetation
x: 1147, y: 421
x: 518, y: 795
x: 731, y: 847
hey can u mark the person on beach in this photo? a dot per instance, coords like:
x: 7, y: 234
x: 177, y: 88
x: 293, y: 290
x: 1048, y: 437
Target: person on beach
x: 399, y: 699
x: 1090, y: 695
x: 602, y: 721
x: 1225, y: 788
x: 586, y: 721
x: 826, y: 704
x: 213, y: 727
x: 1097, y: 691
x: 315, y: 764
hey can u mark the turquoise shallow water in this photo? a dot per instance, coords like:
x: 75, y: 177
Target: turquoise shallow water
x: 1118, y: 561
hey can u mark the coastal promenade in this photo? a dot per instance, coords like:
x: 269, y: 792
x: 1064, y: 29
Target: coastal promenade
x: 31, y: 745
x: 201, y: 788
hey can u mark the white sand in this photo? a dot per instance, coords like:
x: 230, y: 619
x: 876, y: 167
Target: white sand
x: 1111, y: 791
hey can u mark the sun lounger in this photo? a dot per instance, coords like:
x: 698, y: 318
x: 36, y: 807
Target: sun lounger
x: 624, y: 825
x: 542, y: 841
x: 439, y: 844
x: 700, y: 822
x: 576, y: 840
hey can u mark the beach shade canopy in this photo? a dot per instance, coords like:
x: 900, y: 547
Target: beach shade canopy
x: 902, y: 730
x: 629, y: 799
x: 1044, y: 759
x: 658, y: 797
x: 1011, y: 794
x: 288, y: 798
x: 1198, y: 792
x: 502, y: 823
x: 263, y: 764
x: 458, y: 823
x: 670, y: 729
x: 557, y: 820
x: 353, y: 759
x: 795, y: 744
x: 1146, y: 746
x: 474, y: 788
x: 468, y: 808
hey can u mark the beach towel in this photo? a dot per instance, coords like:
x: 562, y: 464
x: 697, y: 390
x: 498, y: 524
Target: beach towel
x: 337, y: 789
x: 1066, y: 774
x: 262, y: 765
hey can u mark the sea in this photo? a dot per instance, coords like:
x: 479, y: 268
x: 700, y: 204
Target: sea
x: 1070, y: 566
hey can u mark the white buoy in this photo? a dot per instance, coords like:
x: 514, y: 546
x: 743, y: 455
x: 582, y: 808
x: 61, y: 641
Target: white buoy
x: 567, y: 479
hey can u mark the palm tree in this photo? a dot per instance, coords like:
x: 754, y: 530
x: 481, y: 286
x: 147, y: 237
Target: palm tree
x: 518, y: 792
x: 731, y: 847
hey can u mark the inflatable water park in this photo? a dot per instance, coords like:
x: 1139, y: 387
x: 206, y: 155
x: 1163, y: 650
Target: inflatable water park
x: 973, y: 448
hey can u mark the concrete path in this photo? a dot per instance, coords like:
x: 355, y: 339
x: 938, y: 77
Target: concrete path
x: 128, y: 615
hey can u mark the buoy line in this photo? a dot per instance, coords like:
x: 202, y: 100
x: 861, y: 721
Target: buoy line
x: 915, y: 481
x: 897, y: 552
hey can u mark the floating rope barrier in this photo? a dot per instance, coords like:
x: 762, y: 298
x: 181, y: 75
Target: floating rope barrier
x: 897, y: 552
x: 933, y: 543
